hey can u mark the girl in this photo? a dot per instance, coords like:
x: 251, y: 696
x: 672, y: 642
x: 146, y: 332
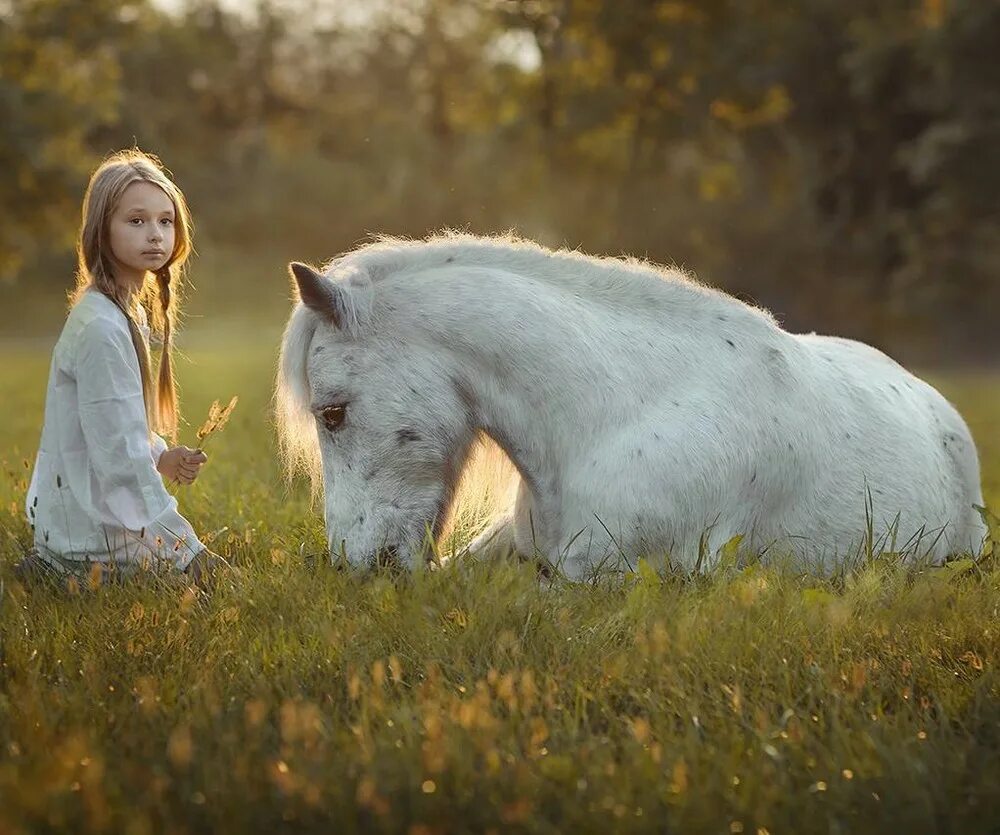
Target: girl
x: 97, y: 493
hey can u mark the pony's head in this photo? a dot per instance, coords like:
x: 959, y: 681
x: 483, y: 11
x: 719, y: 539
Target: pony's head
x: 371, y: 405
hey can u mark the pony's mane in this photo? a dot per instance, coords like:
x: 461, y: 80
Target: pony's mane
x: 298, y: 444
x: 625, y: 280
x: 385, y: 255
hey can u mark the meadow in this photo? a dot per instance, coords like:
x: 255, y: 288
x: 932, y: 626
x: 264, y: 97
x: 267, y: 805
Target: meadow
x: 296, y: 697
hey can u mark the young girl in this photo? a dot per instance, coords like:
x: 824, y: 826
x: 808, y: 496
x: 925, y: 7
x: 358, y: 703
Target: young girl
x: 97, y: 493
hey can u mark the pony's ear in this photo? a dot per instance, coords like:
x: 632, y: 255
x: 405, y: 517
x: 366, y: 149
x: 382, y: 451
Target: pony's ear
x: 317, y: 292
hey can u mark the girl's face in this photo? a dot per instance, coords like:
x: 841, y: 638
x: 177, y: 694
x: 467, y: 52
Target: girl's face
x: 141, y: 230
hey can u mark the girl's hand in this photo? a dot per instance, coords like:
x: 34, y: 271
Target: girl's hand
x: 181, y: 464
x: 203, y: 567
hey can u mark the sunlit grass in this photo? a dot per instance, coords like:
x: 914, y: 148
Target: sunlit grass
x: 472, y: 699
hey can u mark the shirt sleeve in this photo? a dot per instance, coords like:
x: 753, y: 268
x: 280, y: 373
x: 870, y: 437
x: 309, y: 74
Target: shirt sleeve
x: 128, y: 490
x: 159, y: 446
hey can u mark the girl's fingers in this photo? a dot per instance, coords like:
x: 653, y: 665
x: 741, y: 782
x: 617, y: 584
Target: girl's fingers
x: 188, y: 464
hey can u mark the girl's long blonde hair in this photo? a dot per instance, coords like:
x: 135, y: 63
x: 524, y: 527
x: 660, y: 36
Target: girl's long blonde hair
x: 162, y: 297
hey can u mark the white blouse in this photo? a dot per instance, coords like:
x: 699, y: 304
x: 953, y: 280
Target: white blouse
x: 95, y: 492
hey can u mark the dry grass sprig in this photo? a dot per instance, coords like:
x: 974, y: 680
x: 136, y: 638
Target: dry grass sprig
x: 218, y: 417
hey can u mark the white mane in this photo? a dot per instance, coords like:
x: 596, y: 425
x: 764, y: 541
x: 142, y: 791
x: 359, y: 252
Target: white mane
x: 296, y: 427
x: 623, y: 281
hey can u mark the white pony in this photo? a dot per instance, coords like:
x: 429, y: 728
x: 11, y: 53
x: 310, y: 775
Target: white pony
x: 646, y: 414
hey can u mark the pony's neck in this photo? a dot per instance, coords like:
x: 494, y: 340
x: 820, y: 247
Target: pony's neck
x: 540, y: 369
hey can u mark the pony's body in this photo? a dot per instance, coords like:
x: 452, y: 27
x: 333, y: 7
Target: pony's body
x: 645, y: 414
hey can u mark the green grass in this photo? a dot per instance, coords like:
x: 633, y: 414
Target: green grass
x: 296, y: 697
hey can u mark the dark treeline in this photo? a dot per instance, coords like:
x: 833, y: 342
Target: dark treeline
x: 836, y: 160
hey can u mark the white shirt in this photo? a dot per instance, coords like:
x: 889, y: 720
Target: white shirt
x: 95, y: 491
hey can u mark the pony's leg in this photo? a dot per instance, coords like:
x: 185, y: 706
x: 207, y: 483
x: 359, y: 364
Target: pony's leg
x: 496, y: 541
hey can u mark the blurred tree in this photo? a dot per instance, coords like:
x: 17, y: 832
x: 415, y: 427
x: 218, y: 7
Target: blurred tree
x: 952, y: 236
x: 60, y: 80
x: 837, y: 159
x: 895, y: 117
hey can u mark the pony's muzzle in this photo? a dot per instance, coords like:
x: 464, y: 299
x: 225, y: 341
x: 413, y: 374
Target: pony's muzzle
x: 387, y: 557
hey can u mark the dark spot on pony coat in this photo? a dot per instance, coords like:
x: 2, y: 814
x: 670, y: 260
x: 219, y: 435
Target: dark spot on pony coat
x: 407, y: 435
x: 731, y: 343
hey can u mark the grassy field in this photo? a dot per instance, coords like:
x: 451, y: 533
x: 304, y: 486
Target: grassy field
x: 298, y: 698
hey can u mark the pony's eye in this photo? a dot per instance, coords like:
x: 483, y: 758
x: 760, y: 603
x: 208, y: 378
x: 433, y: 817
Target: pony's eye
x: 333, y: 416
